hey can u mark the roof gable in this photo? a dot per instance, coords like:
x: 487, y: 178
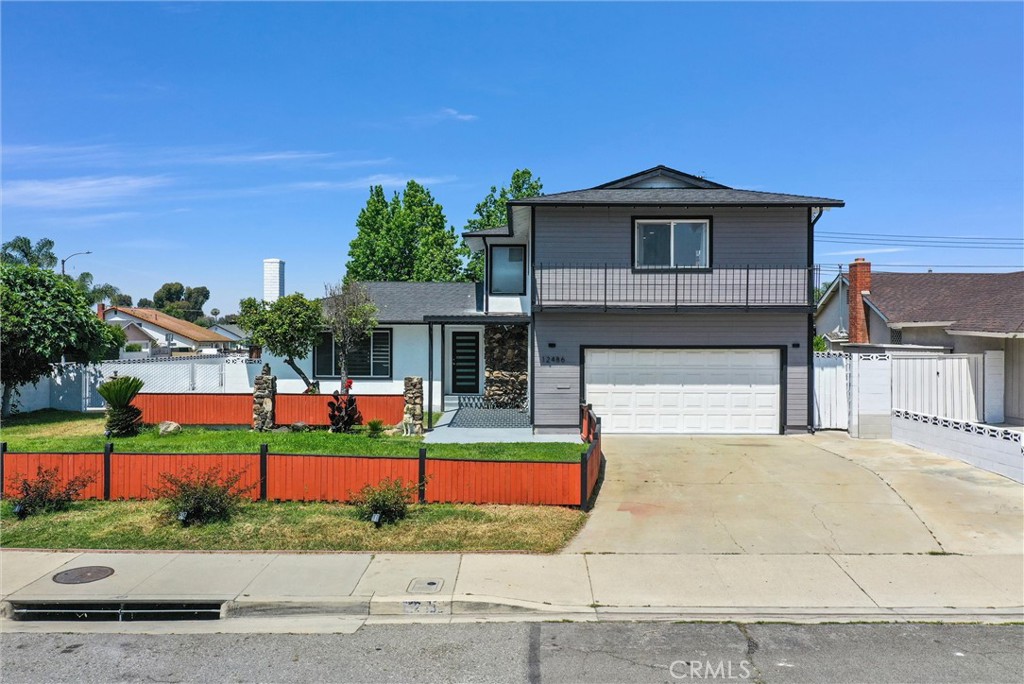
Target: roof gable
x: 660, y: 177
x: 191, y: 331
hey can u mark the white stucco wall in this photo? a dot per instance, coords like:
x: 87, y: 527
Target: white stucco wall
x: 994, y: 449
x: 32, y: 397
x: 409, y: 345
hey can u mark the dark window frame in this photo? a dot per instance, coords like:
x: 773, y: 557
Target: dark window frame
x: 391, y: 357
x: 490, y: 272
x: 670, y: 269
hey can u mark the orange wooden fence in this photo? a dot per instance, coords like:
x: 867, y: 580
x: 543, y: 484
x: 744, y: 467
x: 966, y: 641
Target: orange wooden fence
x: 311, y: 409
x: 294, y: 477
x: 17, y: 467
x: 236, y: 409
x: 196, y: 409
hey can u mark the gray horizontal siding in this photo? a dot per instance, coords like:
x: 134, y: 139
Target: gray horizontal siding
x: 557, y: 385
x: 754, y: 235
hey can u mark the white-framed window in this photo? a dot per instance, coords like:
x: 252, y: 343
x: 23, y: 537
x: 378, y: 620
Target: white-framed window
x: 508, y: 270
x: 672, y: 243
x: 370, y: 359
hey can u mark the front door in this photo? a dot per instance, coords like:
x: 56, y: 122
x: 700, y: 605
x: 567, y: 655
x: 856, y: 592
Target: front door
x: 465, y: 363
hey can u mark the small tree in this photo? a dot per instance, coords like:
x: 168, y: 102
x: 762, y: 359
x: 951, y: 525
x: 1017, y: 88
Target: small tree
x: 288, y: 328
x: 43, y: 317
x: 123, y: 417
x: 492, y: 212
x: 351, y: 315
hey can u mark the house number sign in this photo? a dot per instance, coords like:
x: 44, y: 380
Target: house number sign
x: 552, y: 359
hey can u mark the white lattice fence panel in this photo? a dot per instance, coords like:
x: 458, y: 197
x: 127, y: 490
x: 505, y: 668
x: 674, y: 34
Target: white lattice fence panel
x: 159, y: 378
x: 209, y: 377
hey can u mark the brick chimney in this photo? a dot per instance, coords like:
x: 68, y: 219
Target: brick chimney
x: 101, y: 309
x: 860, y: 282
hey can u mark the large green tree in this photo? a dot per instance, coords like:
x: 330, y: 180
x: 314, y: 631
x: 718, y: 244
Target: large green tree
x: 175, y: 299
x: 95, y: 293
x: 288, y: 328
x: 492, y: 212
x: 20, y: 250
x: 404, y: 239
x: 43, y: 317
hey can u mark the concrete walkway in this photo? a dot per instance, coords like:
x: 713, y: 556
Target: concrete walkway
x: 338, y: 590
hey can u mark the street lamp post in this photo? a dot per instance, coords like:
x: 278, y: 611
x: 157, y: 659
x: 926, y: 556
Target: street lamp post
x: 65, y: 259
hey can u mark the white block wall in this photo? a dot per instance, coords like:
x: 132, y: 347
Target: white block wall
x: 32, y: 397
x: 994, y: 449
x: 995, y: 386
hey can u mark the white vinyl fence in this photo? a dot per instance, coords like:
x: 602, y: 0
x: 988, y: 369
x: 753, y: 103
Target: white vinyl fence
x: 831, y: 391
x: 950, y: 386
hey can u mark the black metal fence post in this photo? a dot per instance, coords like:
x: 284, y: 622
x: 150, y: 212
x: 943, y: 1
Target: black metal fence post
x: 264, y: 448
x: 746, y: 304
x: 422, y: 486
x: 3, y: 454
x: 108, y: 449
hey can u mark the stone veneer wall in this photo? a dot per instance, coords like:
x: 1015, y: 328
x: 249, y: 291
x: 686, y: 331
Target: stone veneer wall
x: 264, y: 395
x: 506, y: 380
x: 414, y: 403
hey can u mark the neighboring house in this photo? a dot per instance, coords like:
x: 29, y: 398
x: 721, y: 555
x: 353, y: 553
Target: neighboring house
x: 233, y: 332
x: 965, y: 313
x: 671, y: 303
x: 158, y: 332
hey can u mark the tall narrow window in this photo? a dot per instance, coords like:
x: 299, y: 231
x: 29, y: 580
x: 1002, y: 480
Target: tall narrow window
x: 672, y: 243
x: 508, y: 270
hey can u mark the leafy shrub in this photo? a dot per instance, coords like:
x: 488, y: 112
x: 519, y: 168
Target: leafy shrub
x: 46, y: 494
x: 375, y: 428
x: 123, y: 418
x: 342, y: 413
x: 133, y: 347
x: 198, y: 496
x: 390, y: 498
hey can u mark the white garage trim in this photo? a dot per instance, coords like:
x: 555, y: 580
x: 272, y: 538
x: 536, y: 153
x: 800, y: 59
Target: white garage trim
x: 707, y: 390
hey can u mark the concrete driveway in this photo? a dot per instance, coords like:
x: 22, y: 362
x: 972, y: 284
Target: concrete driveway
x: 820, y: 494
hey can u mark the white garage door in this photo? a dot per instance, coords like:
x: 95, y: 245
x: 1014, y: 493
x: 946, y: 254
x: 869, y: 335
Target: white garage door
x: 700, y: 391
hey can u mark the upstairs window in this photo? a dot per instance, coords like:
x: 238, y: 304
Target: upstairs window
x: 507, y: 270
x: 370, y: 359
x: 672, y: 243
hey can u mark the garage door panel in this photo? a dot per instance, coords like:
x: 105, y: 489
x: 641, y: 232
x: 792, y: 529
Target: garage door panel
x: 726, y: 391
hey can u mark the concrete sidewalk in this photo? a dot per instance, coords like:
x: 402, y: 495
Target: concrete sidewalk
x: 313, y: 589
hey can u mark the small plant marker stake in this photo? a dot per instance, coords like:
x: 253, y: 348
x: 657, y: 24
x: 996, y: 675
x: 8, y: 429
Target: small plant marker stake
x: 264, y: 448
x: 108, y: 449
x: 422, y: 488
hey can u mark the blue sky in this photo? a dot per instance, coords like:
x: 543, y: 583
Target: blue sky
x: 187, y: 142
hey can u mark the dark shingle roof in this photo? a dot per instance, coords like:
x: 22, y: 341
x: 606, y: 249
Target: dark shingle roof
x: 977, y: 302
x: 410, y: 302
x: 677, y: 197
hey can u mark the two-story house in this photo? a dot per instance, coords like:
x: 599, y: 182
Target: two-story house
x: 671, y: 303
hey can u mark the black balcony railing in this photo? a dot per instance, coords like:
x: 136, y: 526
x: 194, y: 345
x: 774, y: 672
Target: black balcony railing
x: 610, y: 285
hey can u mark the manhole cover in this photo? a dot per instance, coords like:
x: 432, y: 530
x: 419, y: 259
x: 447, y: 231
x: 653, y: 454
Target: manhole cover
x: 90, y: 573
x: 425, y: 585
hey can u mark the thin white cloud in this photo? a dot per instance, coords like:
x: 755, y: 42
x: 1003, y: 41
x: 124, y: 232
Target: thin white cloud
x: 861, y: 252
x: 83, y: 191
x: 259, y: 157
x: 38, y: 155
x: 387, y: 180
x: 440, y: 116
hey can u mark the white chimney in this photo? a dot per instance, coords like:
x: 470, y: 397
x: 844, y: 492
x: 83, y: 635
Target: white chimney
x: 273, y: 280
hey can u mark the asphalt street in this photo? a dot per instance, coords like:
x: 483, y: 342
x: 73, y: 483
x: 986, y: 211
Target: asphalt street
x: 533, y: 652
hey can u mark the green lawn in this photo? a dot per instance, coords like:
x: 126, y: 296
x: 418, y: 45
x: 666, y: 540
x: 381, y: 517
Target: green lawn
x: 57, y: 431
x: 136, y: 525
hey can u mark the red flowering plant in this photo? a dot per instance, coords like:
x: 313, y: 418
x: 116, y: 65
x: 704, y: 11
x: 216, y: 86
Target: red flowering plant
x: 342, y: 412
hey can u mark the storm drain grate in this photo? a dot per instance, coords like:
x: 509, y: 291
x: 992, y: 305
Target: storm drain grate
x: 108, y: 611
x: 89, y: 573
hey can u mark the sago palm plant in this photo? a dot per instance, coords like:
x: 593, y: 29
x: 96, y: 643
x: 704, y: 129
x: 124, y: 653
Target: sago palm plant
x: 123, y: 419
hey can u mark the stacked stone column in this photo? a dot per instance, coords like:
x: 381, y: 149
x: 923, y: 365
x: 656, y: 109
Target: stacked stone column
x: 414, y: 403
x: 264, y: 395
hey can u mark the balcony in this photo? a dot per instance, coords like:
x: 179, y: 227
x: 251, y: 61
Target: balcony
x: 618, y: 286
